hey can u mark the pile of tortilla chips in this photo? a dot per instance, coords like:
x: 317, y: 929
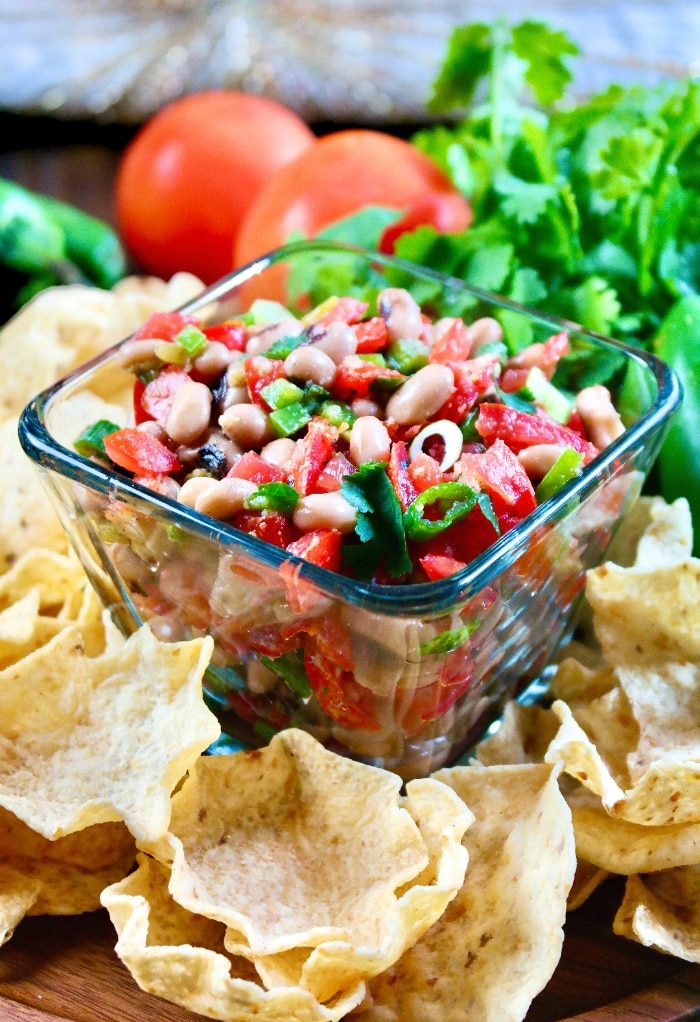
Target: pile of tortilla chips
x: 289, y: 882
x: 625, y: 725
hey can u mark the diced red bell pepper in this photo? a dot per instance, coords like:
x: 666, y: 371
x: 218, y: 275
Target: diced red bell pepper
x: 472, y: 379
x: 319, y: 546
x: 333, y: 473
x: 232, y: 335
x: 272, y: 526
x: 454, y: 345
x: 437, y: 566
x: 417, y: 708
x: 355, y: 376
x: 337, y: 693
x: 163, y: 325
x: 254, y: 468
x: 311, y: 455
x: 259, y: 372
x: 155, y: 399
x: 424, y: 472
x: 140, y: 453
x: 345, y: 310
x: 520, y: 430
x: 498, y: 472
x: 372, y: 335
x: 399, y: 474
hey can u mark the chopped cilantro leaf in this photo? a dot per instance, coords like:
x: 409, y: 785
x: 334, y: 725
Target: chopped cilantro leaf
x: 379, y: 523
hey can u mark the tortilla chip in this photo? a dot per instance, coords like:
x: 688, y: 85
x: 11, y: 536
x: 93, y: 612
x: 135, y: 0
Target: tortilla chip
x: 500, y: 939
x: 180, y: 956
x: 91, y: 740
x: 293, y: 846
x: 17, y: 895
x: 588, y: 879
x: 522, y: 736
x: 662, y: 910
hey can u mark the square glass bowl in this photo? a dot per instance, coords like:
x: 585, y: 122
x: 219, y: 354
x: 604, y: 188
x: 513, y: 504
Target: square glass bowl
x: 409, y: 675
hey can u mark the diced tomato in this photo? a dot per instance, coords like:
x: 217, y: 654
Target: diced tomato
x: 437, y: 566
x: 425, y: 472
x: 252, y: 708
x: 163, y: 325
x: 418, y: 707
x: 311, y: 455
x: 576, y: 423
x: 398, y: 472
x: 272, y: 526
x: 472, y: 379
x: 140, y: 453
x: 454, y: 345
x: 319, y: 546
x: 520, y: 430
x: 232, y: 335
x: 254, y: 468
x: 156, y: 398
x: 544, y: 356
x: 337, y: 693
x: 355, y: 376
x: 463, y: 541
x: 344, y: 310
x: 498, y: 472
x: 333, y: 473
x: 513, y: 379
x: 372, y: 335
x: 332, y: 637
x: 259, y: 372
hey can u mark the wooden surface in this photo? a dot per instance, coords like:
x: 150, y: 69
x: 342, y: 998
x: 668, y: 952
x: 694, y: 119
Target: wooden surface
x: 66, y: 968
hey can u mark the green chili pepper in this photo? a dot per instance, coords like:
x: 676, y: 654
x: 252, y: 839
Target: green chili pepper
x: 289, y: 420
x: 90, y: 243
x: 192, y: 340
x: 281, y: 393
x: 273, y: 497
x: 455, y: 500
x: 678, y: 344
x: 91, y: 440
x: 567, y: 466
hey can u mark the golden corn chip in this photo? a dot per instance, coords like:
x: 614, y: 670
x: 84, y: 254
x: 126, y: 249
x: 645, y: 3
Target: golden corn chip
x: 17, y: 895
x: 500, y: 939
x: 662, y: 910
x: 180, y: 956
x: 522, y: 736
x: 27, y: 519
x: 294, y: 847
x: 67, y: 875
x: 588, y: 879
x: 91, y: 740
x: 57, y: 577
x: 338, y: 965
x: 64, y: 326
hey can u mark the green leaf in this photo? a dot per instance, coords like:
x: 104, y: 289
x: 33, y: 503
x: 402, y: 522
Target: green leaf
x: 445, y: 642
x: 467, y: 62
x: 544, y: 50
x: 379, y: 521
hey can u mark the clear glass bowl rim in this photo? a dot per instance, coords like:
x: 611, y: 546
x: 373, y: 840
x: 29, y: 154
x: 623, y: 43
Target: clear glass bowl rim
x: 396, y: 600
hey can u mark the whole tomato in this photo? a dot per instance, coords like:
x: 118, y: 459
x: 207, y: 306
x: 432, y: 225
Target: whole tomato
x: 187, y: 178
x: 340, y: 174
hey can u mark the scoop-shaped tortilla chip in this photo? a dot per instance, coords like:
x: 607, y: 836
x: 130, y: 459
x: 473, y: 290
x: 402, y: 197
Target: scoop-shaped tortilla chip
x: 91, y: 740
x: 662, y: 910
x: 292, y: 845
x: 180, y: 956
x: 335, y: 965
x: 500, y: 939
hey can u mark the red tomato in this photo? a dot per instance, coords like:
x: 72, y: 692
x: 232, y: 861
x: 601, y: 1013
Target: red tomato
x: 190, y: 173
x: 319, y: 546
x: 337, y: 692
x: 140, y: 453
x: 340, y: 174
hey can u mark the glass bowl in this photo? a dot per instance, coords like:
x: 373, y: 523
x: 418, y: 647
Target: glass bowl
x: 411, y: 674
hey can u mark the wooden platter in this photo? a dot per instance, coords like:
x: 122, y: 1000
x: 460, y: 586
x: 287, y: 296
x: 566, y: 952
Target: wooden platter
x: 66, y: 970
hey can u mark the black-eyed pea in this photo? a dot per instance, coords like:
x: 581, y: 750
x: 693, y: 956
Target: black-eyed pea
x: 225, y: 498
x: 279, y: 452
x: 139, y: 352
x: 193, y: 487
x: 247, y: 425
x: 213, y: 361
x: 338, y: 341
x: 153, y: 429
x: 538, y: 459
x: 324, y: 511
x: 485, y: 330
x: 237, y: 395
x: 400, y: 312
x: 422, y: 395
x: 366, y: 406
x: 263, y: 340
x: 369, y: 440
x: 189, y: 413
x: 310, y: 364
x: 600, y: 417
